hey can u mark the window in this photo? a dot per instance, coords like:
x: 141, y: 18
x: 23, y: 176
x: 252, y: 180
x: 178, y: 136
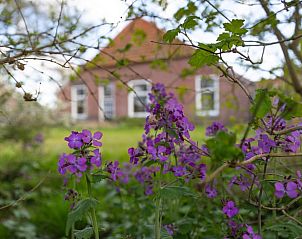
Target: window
x: 107, y: 101
x: 207, y: 95
x: 79, y: 102
x: 137, y: 101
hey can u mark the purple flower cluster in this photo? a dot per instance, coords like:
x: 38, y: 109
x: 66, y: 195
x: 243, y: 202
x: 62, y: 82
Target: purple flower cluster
x: 240, y: 230
x: 244, y: 182
x: 144, y: 176
x: 291, y: 188
x: 230, y: 209
x: 78, y: 139
x: 250, y: 234
x: 237, y: 230
x: 291, y: 142
x: 166, y: 134
x: 86, y: 155
x: 215, y: 128
x: 167, y: 113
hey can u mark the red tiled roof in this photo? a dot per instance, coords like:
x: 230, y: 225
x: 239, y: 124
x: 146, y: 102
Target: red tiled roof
x: 135, y: 43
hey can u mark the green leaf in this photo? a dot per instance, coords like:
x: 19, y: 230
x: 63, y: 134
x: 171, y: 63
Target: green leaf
x: 204, y: 56
x: 98, y: 177
x: 292, y: 107
x: 262, y: 103
x: 164, y: 234
x: 286, y: 229
x: 190, y: 22
x: 235, y: 26
x: 81, y: 209
x: 185, y: 226
x: 170, y: 35
x: 190, y: 9
x: 224, y: 36
x: 227, y: 41
x: 85, y: 233
x: 173, y: 192
x: 222, y: 147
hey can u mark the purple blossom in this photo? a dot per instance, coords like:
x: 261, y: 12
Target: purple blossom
x: 210, y: 191
x: 39, y: 138
x: 292, y: 142
x: 242, y: 181
x: 274, y: 123
x: 265, y: 144
x: 291, y: 189
x: 114, y: 170
x: 149, y: 190
x: 170, y: 229
x: 74, y: 140
x: 134, y: 155
x: 230, y: 209
x: 250, y: 234
x: 96, y: 159
x: 86, y: 155
x: 179, y: 170
x: 214, y: 128
x: 71, y: 163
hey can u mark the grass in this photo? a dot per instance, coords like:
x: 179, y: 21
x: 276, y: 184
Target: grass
x: 116, y: 140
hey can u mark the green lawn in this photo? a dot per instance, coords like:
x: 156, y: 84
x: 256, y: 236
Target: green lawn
x: 116, y: 140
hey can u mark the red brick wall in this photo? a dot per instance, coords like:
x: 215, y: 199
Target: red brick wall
x: 230, y: 94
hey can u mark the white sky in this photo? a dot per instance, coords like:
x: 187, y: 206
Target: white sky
x: 112, y: 10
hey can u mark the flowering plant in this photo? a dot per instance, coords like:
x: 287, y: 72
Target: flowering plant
x: 168, y: 162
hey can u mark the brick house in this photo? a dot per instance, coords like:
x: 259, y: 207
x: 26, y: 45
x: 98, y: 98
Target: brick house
x: 136, y: 59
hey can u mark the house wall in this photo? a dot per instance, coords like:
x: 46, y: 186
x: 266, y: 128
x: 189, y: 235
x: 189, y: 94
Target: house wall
x: 234, y: 104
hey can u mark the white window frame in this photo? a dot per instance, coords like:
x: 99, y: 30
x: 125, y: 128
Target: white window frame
x: 200, y: 91
x: 74, y: 102
x: 102, y: 101
x: 131, y: 96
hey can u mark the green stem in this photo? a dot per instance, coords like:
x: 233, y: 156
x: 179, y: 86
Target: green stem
x: 157, y: 227
x: 93, y: 214
x: 72, y: 227
x: 158, y: 209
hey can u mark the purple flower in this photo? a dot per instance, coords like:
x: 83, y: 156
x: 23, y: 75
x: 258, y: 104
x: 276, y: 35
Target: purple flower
x: 265, y: 144
x: 275, y: 123
x: 85, y: 156
x: 114, y: 170
x: 179, y: 170
x: 292, y: 142
x: 279, y: 190
x: 39, y: 138
x: 74, y: 140
x: 242, y: 181
x: 96, y: 139
x: 250, y: 234
x: 214, y: 128
x: 72, y: 164
x: 210, y: 191
x: 170, y: 229
x: 149, y: 190
x: 291, y: 190
x: 230, y: 209
x: 81, y: 164
x: 134, y: 155
x: 202, y: 168
x: 96, y: 159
